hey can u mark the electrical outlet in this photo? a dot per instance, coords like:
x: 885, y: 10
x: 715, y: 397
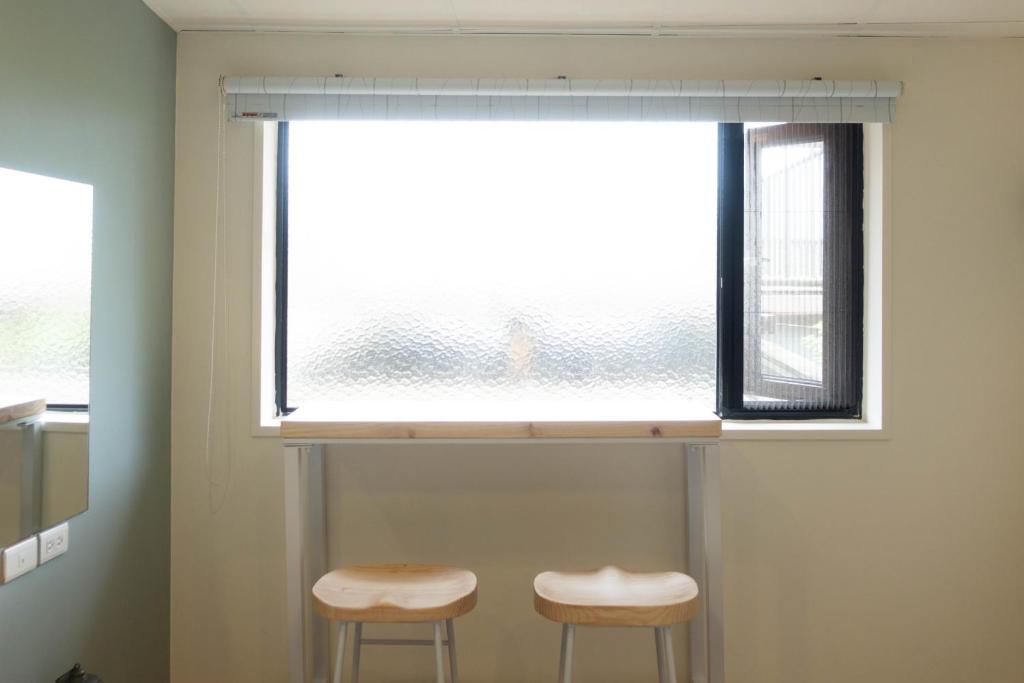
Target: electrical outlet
x: 53, y: 542
x: 20, y: 558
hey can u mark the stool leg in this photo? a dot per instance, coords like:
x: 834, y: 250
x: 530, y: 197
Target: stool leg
x: 339, y: 658
x: 438, y: 652
x: 669, y: 657
x: 565, y: 667
x: 660, y: 650
x: 453, y: 668
x: 357, y: 642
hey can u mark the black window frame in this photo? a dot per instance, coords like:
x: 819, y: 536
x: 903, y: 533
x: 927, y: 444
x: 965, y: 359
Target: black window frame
x: 281, y: 276
x: 732, y: 180
x: 68, y: 407
x: 843, y: 308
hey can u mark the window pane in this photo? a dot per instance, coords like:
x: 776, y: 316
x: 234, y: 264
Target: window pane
x: 521, y: 266
x: 45, y: 284
x: 784, y: 268
x: 801, y: 226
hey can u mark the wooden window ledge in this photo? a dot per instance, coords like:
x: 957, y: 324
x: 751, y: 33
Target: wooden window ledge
x: 355, y: 422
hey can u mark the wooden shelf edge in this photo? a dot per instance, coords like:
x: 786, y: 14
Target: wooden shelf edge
x: 19, y: 409
x: 297, y: 428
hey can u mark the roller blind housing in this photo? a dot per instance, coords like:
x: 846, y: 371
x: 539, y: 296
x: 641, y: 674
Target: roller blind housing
x: 327, y: 98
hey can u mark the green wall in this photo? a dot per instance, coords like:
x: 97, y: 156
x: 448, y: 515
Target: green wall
x: 87, y: 94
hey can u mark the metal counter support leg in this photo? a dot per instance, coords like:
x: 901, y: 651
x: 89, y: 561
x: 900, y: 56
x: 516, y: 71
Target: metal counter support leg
x: 565, y: 667
x: 453, y: 667
x: 438, y: 652
x: 339, y: 657
x: 659, y: 648
x: 670, y: 658
x: 305, y: 561
x: 704, y: 554
x: 357, y: 646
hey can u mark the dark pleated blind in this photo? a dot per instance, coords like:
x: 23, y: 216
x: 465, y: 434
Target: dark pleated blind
x: 802, y: 268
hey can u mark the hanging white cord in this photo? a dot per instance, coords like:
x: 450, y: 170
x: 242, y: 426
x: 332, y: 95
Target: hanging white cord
x: 220, y: 214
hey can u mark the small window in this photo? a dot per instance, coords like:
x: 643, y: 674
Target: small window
x: 45, y: 284
x: 792, y: 271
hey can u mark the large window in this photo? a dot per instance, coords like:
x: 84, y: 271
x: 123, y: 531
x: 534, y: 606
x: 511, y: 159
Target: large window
x: 500, y: 268
x: 45, y: 285
x: 526, y: 270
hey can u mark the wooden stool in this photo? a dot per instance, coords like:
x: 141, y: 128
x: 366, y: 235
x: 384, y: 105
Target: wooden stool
x: 613, y: 597
x: 395, y: 594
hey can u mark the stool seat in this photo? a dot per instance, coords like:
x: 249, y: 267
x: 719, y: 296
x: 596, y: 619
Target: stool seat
x: 395, y: 593
x: 614, y: 597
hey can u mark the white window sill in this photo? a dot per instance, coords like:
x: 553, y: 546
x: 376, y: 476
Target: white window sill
x: 66, y: 422
x: 802, y: 430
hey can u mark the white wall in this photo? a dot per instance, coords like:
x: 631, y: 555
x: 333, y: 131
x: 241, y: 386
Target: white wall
x: 888, y: 560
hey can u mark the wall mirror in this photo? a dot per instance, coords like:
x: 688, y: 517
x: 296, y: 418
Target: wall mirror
x: 45, y: 311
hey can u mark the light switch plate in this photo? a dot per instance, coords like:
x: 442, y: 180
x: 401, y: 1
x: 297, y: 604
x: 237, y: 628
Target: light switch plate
x: 53, y: 542
x: 20, y: 558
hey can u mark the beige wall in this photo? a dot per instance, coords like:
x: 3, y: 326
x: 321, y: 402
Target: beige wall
x: 889, y: 560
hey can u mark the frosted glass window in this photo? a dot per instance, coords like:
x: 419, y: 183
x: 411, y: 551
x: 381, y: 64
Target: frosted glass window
x: 45, y: 284
x: 524, y: 266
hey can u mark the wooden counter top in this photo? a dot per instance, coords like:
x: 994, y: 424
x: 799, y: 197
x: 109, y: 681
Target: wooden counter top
x: 17, y: 408
x: 354, y: 421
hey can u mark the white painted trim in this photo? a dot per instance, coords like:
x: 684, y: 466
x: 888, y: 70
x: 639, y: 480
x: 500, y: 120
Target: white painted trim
x: 67, y: 422
x: 877, y: 314
x: 264, y: 216
x: 801, y: 430
x: 949, y: 29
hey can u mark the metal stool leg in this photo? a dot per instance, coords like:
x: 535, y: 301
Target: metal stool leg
x: 659, y: 646
x: 339, y: 658
x: 357, y: 643
x: 453, y: 667
x: 438, y: 652
x: 669, y: 657
x: 565, y: 667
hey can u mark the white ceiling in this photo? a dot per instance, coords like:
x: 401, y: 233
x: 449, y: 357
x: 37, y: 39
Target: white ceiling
x: 915, y: 17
